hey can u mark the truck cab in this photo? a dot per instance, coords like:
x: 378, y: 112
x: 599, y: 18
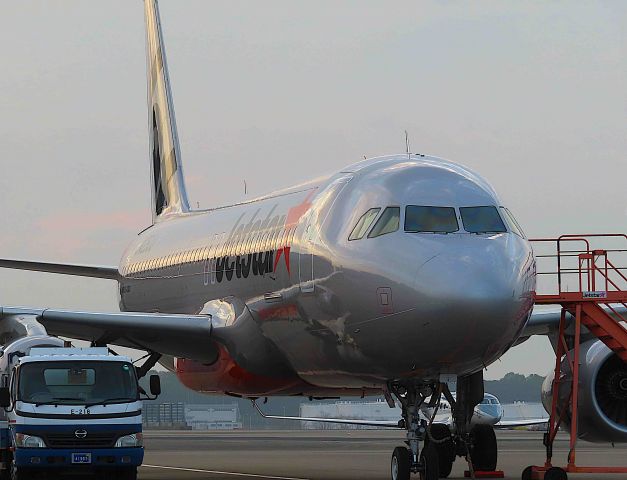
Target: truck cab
x: 70, y: 409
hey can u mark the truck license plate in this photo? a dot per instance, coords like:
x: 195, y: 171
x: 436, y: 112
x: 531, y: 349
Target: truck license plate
x: 81, y: 458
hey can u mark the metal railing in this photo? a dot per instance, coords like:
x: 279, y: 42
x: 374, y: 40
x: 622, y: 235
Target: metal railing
x: 597, y: 268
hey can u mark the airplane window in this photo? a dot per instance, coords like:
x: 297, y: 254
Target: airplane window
x: 388, y: 222
x: 363, y: 224
x: 430, y: 219
x: 291, y: 237
x: 262, y: 241
x: 482, y: 220
x: 266, y: 241
x: 512, y: 223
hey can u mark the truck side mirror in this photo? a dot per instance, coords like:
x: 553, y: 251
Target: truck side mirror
x: 5, y: 397
x: 155, y: 385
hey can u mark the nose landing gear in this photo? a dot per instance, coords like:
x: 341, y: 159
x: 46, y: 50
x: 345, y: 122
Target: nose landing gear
x: 408, y: 460
x: 441, y: 443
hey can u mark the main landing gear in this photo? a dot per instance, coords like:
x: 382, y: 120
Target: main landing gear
x: 441, y: 443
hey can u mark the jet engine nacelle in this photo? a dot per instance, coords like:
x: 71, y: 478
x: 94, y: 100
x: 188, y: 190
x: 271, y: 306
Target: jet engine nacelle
x: 602, y: 394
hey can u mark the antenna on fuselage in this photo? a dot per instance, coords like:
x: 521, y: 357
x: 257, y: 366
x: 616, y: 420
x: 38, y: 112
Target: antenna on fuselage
x: 407, y: 147
x: 245, y: 188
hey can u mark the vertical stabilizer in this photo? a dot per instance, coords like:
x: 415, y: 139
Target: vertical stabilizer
x: 168, y: 189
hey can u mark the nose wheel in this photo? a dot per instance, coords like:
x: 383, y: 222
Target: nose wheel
x: 401, y: 464
x: 429, y: 464
x: 483, y: 449
x: 428, y: 467
x: 440, y: 436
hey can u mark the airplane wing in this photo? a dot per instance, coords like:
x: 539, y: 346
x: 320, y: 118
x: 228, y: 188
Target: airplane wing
x: 94, y: 271
x: 523, y: 422
x: 224, y: 323
x: 186, y: 336
x: 547, y: 322
x: 341, y: 421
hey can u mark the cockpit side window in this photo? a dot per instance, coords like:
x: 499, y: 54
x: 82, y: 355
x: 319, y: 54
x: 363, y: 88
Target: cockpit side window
x: 363, y: 224
x: 388, y: 222
x: 430, y: 219
x: 512, y: 223
x: 482, y: 220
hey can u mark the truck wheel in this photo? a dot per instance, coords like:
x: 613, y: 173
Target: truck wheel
x: 18, y: 473
x: 128, y: 474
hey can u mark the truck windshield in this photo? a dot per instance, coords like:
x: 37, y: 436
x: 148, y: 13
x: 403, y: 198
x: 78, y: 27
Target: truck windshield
x: 77, y: 383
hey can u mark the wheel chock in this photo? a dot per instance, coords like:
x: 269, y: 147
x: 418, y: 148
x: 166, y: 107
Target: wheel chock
x: 481, y: 474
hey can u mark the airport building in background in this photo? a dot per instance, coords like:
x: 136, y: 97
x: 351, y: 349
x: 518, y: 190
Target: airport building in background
x: 372, y: 411
x: 213, y: 417
x: 181, y: 416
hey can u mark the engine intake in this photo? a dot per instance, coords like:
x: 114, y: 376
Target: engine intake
x: 602, y: 394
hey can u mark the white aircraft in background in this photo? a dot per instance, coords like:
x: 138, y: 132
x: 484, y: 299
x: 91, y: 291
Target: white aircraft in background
x: 489, y: 412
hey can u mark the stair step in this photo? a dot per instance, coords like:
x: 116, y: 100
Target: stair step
x: 605, y: 328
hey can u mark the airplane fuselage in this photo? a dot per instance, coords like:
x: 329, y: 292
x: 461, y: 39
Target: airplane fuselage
x: 340, y: 312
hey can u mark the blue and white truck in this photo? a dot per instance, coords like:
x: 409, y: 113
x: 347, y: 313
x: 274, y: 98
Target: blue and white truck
x: 67, y: 409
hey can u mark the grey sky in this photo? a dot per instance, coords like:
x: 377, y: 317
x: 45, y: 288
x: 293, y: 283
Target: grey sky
x: 530, y: 94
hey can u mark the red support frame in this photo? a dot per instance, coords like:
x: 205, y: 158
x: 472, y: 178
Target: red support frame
x: 596, y: 318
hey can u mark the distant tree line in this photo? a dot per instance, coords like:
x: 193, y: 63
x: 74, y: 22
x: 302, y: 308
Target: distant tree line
x: 515, y: 387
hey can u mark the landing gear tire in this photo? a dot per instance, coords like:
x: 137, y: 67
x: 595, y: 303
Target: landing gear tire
x: 401, y: 464
x: 430, y: 464
x: 555, y: 473
x: 444, y: 446
x: 526, y: 474
x: 483, y: 448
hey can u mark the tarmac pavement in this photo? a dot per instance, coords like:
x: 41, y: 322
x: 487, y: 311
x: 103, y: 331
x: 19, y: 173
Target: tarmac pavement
x: 333, y: 455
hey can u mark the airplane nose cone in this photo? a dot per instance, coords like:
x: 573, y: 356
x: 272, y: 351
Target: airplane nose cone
x: 477, y: 278
x: 476, y: 296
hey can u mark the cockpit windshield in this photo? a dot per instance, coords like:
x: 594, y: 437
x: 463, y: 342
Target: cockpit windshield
x: 387, y: 223
x: 482, y: 220
x: 363, y: 224
x: 489, y: 401
x: 511, y: 222
x: 430, y: 219
x: 77, y: 383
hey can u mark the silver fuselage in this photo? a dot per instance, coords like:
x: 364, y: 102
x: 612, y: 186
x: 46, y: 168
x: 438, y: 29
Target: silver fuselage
x: 342, y: 313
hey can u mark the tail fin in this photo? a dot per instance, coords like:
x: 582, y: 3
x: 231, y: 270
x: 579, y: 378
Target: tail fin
x: 168, y: 189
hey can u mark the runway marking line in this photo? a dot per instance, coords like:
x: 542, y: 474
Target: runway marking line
x: 217, y: 472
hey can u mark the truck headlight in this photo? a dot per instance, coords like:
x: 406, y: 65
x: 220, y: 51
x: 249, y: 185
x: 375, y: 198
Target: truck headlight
x: 23, y: 440
x: 132, y: 440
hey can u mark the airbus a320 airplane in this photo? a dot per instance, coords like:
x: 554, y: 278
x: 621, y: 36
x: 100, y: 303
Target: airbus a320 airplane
x: 395, y: 274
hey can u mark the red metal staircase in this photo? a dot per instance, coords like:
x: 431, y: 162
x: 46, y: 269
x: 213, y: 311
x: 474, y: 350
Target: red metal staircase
x: 593, y: 289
